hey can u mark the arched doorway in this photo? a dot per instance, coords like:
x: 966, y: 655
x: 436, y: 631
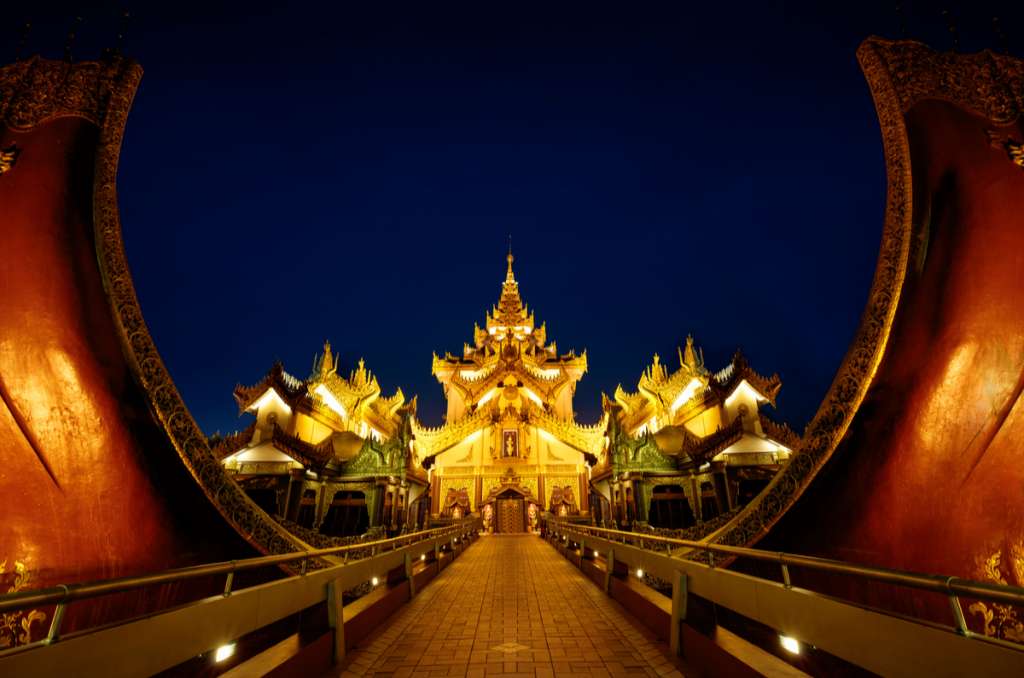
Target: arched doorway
x: 510, y: 507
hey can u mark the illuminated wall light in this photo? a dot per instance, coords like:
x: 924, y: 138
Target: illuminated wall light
x: 789, y: 644
x: 223, y: 652
x: 423, y: 557
x: 640, y: 573
x: 374, y: 581
x: 596, y: 554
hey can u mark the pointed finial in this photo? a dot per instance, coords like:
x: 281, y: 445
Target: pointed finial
x: 327, y: 362
x: 689, y: 356
x: 509, y: 277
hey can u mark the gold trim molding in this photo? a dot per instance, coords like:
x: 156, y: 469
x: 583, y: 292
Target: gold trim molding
x: 38, y: 90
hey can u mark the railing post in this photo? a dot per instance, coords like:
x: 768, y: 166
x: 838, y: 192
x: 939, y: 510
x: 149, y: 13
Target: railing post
x: 336, y: 618
x: 583, y: 551
x: 58, y: 617
x: 610, y: 563
x: 678, y: 613
x: 409, y: 577
x: 227, y: 584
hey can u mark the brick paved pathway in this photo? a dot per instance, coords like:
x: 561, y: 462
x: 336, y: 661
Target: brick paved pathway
x: 511, y: 605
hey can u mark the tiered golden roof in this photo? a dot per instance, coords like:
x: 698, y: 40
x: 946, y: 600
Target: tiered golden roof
x: 509, y: 344
x: 346, y: 404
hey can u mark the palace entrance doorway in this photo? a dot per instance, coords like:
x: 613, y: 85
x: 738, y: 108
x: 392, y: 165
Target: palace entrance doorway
x: 511, y: 510
x: 509, y: 507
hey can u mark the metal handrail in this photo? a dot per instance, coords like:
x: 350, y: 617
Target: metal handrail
x: 950, y: 586
x: 63, y: 594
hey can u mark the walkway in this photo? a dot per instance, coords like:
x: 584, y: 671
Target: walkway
x: 511, y: 605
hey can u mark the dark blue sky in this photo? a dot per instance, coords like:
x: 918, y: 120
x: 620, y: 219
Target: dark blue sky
x: 298, y: 173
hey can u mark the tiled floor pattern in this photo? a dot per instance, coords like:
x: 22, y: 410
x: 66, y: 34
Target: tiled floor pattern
x: 512, y: 606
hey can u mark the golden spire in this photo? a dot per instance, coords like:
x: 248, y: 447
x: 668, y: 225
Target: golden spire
x: 689, y: 357
x: 508, y: 275
x: 327, y: 363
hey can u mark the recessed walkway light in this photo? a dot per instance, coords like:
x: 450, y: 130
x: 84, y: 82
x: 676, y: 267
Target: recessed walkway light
x: 790, y: 644
x: 640, y: 573
x: 374, y: 581
x: 223, y: 652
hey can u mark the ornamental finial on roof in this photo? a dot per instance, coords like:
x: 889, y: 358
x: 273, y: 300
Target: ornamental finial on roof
x: 508, y: 275
x: 327, y: 362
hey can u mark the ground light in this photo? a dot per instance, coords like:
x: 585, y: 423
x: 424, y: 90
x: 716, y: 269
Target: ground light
x: 423, y: 557
x: 596, y: 554
x: 790, y: 644
x: 374, y: 581
x: 640, y: 573
x: 223, y: 652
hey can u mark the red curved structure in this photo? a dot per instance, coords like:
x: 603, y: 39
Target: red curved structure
x: 92, y: 431
x: 914, y: 460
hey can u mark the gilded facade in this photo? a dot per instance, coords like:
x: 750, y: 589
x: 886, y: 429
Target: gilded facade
x: 330, y: 454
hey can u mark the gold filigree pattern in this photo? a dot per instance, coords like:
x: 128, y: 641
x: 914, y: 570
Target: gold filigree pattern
x: 899, y: 74
x: 1014, y: 149
x: 16, y: 627
x: 8, y: 156
x: 37, y: 90
x: 998, y: 620
x: 858, y: 368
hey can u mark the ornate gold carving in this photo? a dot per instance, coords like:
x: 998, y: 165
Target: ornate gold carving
x: 998, y: 620
x: 8, y: 156
x: 990, y: 84
x: 898, y: 75
x: 36, y: 90
x: 16, y: 627
x: 106, y: 95
x: 1004, y: 142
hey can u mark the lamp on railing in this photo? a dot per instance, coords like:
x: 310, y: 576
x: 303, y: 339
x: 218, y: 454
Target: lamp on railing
x: 789, y: 644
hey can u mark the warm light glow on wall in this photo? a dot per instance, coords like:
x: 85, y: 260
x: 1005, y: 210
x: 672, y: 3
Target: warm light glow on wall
x: 487, y: 396
x: 267, y: 398
x: 472, y: 437
x: 331, y: 402
x: 685, y: 395
x: 747, y: 390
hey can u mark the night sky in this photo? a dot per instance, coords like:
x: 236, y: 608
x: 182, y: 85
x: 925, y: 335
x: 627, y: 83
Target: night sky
x: 298, y: 173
